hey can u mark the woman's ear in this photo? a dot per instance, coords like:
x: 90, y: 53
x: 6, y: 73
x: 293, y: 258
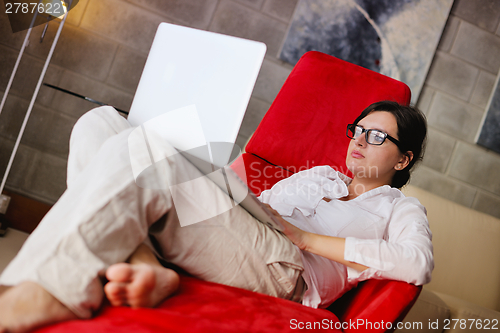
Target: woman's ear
x: 404, y: 161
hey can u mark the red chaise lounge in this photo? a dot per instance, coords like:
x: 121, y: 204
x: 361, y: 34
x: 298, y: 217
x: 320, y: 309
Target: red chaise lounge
x: 304, y: 127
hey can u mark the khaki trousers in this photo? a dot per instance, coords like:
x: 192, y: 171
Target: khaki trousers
x: 104, y: 215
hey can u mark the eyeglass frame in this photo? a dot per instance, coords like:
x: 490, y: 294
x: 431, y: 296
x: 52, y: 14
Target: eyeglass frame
x: 366, y: 131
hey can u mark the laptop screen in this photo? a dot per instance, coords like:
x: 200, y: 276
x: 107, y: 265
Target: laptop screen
x: 196, y: 85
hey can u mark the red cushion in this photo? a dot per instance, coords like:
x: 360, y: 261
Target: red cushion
x: 306, y: 124
x: 200, y: 307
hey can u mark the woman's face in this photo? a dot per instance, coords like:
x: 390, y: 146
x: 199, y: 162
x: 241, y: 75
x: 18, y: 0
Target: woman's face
x: 376, y: 163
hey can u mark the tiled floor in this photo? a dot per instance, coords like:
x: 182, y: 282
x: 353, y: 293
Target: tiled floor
x: 10, y: 244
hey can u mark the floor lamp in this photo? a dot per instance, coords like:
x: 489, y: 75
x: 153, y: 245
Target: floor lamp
x: 4, y: 200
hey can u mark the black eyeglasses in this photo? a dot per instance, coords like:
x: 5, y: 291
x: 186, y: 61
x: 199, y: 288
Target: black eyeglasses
x: 372, y: 136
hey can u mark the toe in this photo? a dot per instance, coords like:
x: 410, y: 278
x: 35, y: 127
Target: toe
x: 121, y: 272
x: 116, y: 293
x: 142, y: 285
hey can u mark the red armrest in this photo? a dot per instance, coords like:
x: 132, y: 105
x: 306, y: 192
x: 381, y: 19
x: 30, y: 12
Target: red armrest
x: 374, y: 303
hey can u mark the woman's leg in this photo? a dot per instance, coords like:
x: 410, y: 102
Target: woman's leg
x: 27, y: 306
x: 40, y: 307
x: 142, y: 282
x: 209, y: 237
x: 104, y: 216
x: 88, y: 135
x: 100, y: 220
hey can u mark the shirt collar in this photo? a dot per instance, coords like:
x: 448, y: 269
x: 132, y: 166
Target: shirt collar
x: 385, y: 190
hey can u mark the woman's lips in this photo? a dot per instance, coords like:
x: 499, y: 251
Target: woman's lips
x: 356, y: 154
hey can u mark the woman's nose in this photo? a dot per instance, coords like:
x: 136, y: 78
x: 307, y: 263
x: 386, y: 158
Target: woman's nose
x: 360, y: 140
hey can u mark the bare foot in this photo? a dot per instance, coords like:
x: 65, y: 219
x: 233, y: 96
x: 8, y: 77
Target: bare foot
x: 139, y: 285
x: 27, y: 306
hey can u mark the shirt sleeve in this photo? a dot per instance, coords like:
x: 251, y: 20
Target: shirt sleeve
x: 406, y: 254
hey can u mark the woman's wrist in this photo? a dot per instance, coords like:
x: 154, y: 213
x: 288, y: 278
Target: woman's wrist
x: 306, y: 241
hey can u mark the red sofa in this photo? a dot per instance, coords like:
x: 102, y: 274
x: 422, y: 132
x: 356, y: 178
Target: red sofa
x: 304, y: 127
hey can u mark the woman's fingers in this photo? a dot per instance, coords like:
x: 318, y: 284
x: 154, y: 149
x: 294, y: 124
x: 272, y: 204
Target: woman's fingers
x: 274, y: 212
x: 296, y: 235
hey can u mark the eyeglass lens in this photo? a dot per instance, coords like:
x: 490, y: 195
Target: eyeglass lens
x: 374, y: 137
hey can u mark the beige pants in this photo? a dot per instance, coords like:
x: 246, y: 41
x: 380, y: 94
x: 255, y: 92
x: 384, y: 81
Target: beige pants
x: 104, y: 215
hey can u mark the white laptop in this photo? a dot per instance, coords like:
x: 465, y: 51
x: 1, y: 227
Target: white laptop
x: 193, y: 75
x: 194, y: 91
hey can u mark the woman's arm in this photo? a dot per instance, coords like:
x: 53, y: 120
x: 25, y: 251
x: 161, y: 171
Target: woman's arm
x: 406, y: 253
x: 331, y: 248
x: 326, y: 246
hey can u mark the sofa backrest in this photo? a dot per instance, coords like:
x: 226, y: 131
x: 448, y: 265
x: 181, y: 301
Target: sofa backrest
x: 306, y: 124
x: 466, y: 250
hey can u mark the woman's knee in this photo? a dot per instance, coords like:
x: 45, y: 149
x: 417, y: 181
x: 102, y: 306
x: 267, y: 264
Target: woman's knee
x: 101, y: 118
x: 97, y: 125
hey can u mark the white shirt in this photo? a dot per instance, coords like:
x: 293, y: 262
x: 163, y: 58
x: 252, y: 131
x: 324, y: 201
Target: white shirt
x: 384, y: 230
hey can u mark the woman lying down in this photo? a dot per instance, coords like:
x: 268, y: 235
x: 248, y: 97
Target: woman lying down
x: 338, y: 231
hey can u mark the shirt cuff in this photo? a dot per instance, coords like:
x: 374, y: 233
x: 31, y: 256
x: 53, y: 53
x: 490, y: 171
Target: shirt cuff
x: 364, y: 252
x: 350, y: 249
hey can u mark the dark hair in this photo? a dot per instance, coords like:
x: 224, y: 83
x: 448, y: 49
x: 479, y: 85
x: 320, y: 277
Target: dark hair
x: 412, y: 132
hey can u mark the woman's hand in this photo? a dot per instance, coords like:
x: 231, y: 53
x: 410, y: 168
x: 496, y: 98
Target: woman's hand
x: 297, y: 236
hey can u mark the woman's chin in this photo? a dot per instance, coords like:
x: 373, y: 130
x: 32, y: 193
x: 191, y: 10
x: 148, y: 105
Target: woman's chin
x: 354, y: 167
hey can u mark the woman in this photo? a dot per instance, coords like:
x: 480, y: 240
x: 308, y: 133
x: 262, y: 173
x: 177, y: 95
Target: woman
x: 338, y: 231
x: 347, y: 230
